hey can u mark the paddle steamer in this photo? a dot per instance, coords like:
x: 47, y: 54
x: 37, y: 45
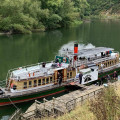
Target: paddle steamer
x: 45, y: 79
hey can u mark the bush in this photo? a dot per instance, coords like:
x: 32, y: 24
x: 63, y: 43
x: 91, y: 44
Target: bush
x: 106, y: 106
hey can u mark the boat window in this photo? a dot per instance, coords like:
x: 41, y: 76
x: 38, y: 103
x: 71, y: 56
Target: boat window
x: 25, y: 85
x: 39, y: 82
x: 30, y: 83
x: 47, y: 80
x: 105, y: 64
x: 113, y: 62
x: 110, y: 63
x: 51, y: 79
x: 70, y: 74
x: 35, y: 83
x: 67, y: 75
x: 43, y: 81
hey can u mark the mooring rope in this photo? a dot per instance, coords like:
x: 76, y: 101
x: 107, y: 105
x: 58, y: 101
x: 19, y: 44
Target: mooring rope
x: 13, y: 103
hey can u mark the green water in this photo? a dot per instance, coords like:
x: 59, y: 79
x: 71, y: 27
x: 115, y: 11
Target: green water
x: 20, y: 50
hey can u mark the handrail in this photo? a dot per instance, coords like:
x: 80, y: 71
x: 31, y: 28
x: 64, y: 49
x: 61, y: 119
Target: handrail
x: 29, y: 65
x: 9, y: 71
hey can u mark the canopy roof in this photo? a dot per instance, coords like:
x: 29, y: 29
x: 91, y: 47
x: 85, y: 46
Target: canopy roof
x: 87, y: 52
x: 36, y: 71
x: 93, y: 51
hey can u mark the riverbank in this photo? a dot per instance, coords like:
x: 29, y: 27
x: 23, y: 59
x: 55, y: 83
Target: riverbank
x: 103, y: 16
x: 82, y: 105
x: 61, y: 105
x: 84, y: 112
x: 43, y: 29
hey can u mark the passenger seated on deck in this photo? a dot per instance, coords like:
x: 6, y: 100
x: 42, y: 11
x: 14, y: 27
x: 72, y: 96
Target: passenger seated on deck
x: 56, y: 61
x: 59, y: 62
x: 70, y: 61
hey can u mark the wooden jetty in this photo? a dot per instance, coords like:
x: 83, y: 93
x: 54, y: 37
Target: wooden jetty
x: 60, y: 105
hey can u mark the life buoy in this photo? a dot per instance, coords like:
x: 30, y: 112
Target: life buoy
x: 11, y: 85
x: 29, y: 74
x: 33, y: 73
x: 64, y: 59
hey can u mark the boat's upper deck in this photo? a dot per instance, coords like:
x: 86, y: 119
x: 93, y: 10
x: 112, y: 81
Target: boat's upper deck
x: 36, y: 71
x: 87, y: 52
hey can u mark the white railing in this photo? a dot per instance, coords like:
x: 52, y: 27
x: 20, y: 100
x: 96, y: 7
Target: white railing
x: 9, y: 71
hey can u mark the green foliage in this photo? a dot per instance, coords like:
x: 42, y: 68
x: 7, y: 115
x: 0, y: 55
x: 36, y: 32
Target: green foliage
x: 53, y: 21
x: 98, y: 6
x: 18, y: 16
x: 23, y: 16
x: 81, y: 6
x: 67, y: 12
x: 52, y: 5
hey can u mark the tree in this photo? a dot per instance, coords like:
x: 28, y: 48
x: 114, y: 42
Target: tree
x: 54, y: 21
x: 67, y: 12
x: 81, y: 6
x: 52, y: 5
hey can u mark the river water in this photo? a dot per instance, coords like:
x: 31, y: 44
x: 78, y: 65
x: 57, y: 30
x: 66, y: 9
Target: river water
x: 19, y: 50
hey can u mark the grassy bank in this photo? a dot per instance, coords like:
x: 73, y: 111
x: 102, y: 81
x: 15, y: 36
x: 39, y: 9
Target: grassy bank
x: 80, y: 113
x: 104, y: 107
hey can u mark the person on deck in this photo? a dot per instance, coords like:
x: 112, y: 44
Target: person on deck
x: 102, y: 66
x: 59, y: 78
x: 80, y: 77
x: 115, y: 75
x: 59, y: 62
x: 56, y: 61
x: 101, y: 80
x: 108, y: 78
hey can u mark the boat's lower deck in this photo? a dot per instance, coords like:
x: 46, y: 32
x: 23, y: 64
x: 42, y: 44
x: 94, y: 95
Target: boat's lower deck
x: 27, y: 97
